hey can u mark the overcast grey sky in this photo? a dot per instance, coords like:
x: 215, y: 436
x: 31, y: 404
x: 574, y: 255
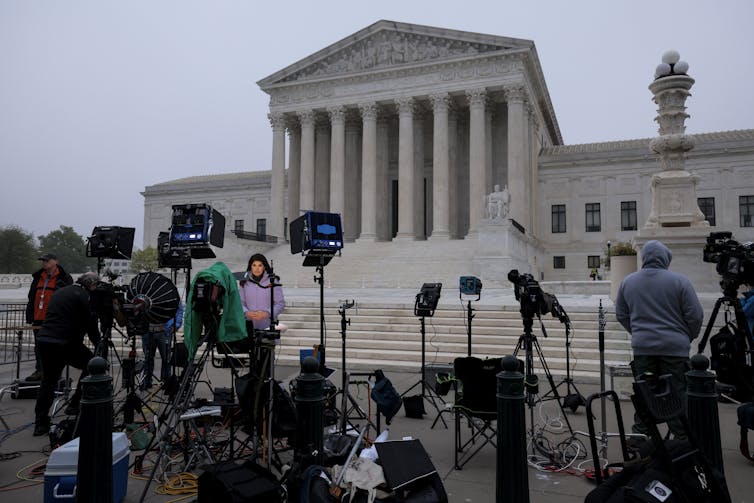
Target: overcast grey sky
x: 101, y: 98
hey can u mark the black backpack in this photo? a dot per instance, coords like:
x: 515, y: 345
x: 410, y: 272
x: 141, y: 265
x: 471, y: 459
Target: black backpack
x: 729, y: 349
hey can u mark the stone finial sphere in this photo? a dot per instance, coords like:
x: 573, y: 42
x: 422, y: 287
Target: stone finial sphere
x: 681, y: 67
x: 671, y: 57
x: 662, y: 70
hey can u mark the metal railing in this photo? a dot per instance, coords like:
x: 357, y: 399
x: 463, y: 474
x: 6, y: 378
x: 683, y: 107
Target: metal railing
x: 253, y: 236
x: 14, y: 332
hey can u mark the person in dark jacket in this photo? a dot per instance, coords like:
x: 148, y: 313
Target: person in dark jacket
x: 44, y: 283
x: 61, y: 343
x: 662, y: 312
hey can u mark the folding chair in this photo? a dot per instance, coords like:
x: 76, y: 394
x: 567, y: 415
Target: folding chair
x: 476, y: 401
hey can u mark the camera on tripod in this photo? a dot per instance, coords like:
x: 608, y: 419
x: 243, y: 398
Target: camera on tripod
x: 735, y: 261
x: 533, y: 300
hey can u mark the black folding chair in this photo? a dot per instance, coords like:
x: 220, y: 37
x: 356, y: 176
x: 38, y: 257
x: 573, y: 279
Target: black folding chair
x: 476, y: 402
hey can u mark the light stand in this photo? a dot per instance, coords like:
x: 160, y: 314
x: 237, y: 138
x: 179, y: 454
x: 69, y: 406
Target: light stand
x: 346, y: 396
x: 426, y: 303
x: 573, y: 398
x: 469, y: 286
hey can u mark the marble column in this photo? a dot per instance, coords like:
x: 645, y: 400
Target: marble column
x: 307, y: 159
x: 294, y: 170
x: 322, y: 165
x: 337, y: 159
x: 453, y: 195
x: 406, y: 175
x: 352, y: 203
x: 419, y: 200
x: 517, y: 153
x: 477, y: 157
x: 368, y: 171
x: 440, y: 168
x: 277, y: 183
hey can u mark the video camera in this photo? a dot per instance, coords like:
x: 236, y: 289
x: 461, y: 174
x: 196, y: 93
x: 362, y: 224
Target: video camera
x: 735, y: 261
x: 110, y: 304
x: 533, y: 300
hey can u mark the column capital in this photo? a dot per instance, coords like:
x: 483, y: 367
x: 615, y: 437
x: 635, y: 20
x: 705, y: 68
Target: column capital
x: 441, y: 102
x: 292, y: 124
x: 337, y: 113
x: 368, y: 111
x: 515, y: 93
x: 476, y: 97
x: 277, y: 121
x: 306, y: 117
x: 406, y: 105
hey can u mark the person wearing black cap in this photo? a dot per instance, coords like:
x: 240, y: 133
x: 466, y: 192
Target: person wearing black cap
x: 61, y: 342
x: 44, y: 282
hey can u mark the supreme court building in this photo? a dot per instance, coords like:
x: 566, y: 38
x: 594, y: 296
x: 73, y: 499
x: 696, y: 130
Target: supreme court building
x: 415, y: 133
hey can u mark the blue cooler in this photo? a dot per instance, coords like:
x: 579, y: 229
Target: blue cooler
x: 62, y: 467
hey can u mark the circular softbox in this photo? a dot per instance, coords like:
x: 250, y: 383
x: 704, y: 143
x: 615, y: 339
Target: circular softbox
x: 156, y: 296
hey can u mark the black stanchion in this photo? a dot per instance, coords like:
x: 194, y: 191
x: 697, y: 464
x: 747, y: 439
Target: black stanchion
x: 511, y: 481
x: 702, y: 412
x: 310, y: 403
x: 95, y: 465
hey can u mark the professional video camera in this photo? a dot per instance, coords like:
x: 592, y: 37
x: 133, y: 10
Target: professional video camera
x: 735, y: 261
x: 150, y: 298
x: 533, y: 300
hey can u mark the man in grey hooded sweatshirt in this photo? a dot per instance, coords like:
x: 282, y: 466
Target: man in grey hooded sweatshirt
x: 661, y: 311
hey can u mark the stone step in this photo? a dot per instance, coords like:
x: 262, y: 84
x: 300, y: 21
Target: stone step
x: 387, y: 336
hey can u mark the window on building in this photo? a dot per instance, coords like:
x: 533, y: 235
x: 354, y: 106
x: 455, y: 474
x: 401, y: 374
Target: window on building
x: 746, y: 210
x: 558, y: 262
x: 261, y: 226
x: 238, y: 225
x: 628, y: 215
x: 558, y: 218
x: 593, y: 217
x: 593, y: 261
x: 707, y: 205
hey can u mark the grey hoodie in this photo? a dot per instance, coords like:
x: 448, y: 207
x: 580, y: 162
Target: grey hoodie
x: 658, y: 307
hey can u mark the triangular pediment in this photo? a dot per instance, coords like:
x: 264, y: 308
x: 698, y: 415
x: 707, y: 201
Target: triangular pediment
x: 388, y: 44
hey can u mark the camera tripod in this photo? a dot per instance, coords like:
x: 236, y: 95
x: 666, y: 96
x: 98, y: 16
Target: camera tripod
x: 178, y: 413
x: 528, y: 341
x: 732, y: 303
x: 133, y: 403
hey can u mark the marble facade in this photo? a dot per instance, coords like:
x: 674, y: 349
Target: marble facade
x: 405, y: 129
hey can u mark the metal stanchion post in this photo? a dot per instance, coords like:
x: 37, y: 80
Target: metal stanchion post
x: 512, y: 482
x: 702, y: 412
x: 95, y: 465
x: 310, y: 401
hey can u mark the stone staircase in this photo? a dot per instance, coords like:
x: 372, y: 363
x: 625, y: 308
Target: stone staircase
x: 388, y: 336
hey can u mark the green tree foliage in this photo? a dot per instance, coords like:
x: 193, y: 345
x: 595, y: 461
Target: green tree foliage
x: 70, y: 248
x: 144, y: 260
x: 18, y: 251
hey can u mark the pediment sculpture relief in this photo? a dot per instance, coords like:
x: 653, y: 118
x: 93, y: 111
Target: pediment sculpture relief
x: 387, y: 49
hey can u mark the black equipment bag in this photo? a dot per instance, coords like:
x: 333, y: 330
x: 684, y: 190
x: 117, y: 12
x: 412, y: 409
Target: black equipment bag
x: 235, y: 483
x: 731, y: 360
x: 386, y: 397
x: 253, y: 394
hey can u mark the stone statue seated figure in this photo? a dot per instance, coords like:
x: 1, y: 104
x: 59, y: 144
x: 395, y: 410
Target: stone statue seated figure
x: 497, y: 203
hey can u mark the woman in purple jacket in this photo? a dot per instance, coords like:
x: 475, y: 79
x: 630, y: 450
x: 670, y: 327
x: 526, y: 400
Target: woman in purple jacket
x: 255, y: 292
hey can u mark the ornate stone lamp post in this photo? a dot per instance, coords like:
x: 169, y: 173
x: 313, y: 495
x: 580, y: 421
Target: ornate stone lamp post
x: 675, y: 217
x: 674, y: 201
